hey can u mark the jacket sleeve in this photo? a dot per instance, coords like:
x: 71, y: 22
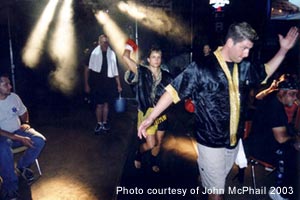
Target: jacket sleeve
x: 186, y: 82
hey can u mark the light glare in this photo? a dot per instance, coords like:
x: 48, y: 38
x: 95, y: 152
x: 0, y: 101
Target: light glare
x: 33, y: 48
x: 158, y: 21
x: 63, y: 51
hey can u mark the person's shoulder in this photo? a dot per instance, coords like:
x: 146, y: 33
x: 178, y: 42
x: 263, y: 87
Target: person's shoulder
x: 142, y: 67
x: 95, y: 50
x: 13, y: 95
x: 166, y: 74
x: 207, y: 61
x: 111, y: 50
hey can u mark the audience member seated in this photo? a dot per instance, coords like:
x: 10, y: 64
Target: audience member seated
x: 272, y: 141
x: 15, y: 131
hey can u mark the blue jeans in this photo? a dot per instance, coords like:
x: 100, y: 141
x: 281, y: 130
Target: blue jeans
x: 7, y: 169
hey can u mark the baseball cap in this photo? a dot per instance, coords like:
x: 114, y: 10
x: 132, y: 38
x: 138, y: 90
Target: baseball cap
x: 289, y: 82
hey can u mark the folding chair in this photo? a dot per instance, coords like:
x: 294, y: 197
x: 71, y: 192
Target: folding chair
x: 23, y: 148
x: 253, y: 162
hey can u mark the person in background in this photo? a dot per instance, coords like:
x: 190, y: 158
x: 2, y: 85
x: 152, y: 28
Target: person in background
x: 202, y: 57
x: 206, y: 50
x: 15, y: 131
x: 102, y: 81
x: 148, y: 82
x: 218, y: 90
x: 271, y: 140
x: 291, y: 110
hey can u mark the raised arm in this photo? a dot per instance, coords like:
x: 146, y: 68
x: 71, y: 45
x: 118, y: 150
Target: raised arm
x: 262, y: 94
x: 163, y: 103
x: 130, y: 63
x: 286, y: 43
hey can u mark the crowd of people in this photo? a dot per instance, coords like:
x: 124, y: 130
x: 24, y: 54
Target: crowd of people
x: 217, y: 86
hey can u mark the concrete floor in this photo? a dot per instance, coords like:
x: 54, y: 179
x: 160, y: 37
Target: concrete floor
x: 77, y: 164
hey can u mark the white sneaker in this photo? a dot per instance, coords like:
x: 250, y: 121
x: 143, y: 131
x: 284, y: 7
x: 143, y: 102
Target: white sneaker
x: 274, y: 195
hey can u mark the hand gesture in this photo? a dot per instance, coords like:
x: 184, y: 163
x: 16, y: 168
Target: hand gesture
x: 143, y: 127
x: 25, y: 127
x: 119, y: 89
x: 26, y: 141
x: 289, y: 40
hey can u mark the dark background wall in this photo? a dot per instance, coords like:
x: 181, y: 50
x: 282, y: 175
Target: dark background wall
x: 200, y: 18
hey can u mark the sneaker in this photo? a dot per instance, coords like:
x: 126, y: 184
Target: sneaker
x: 106, y: 126
x: 9, y: 195
x: 274, y: 195
x: 98, y: 127
x: 27, y: 174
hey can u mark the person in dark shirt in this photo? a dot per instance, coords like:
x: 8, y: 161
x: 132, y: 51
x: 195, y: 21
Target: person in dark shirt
x: 218, y: 90
x: 102, y: 81
x: 272, y: 140
x: 148, y: 82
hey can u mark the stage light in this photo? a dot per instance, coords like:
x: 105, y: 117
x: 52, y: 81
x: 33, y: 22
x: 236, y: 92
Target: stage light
x: 131, y: 10
x: 158, y: 20
x: 63, y: 51
x: 33, y: 48
x: 117, y: 37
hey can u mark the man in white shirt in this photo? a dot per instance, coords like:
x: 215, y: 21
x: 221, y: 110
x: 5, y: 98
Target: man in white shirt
x: 102, y: 81
x: 15, y: 131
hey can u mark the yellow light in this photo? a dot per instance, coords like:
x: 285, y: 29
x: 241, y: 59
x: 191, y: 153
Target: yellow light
x: 117, y: 37
x: 184, y: 146
x: 63, y: 51
x: 33, y: 48
x: 62, y: 187
x: 158, y: 20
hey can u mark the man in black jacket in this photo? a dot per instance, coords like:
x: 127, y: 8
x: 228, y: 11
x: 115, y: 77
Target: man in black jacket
x: 218, y: 88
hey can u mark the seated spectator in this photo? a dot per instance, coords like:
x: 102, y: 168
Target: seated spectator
x: 15, y: 131
x: 291, y: 110
x: 271, y: 140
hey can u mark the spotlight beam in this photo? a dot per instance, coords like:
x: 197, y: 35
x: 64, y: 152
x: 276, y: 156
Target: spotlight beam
x: 159, y: 20
x: 117, y: 37
x: 32, y: 51
x: 63, y: 51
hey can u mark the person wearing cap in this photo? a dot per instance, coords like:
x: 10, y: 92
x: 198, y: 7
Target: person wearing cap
x: 271, y: 140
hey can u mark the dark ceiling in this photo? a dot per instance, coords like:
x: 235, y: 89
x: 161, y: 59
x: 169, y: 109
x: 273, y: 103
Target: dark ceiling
x: 21, y: 15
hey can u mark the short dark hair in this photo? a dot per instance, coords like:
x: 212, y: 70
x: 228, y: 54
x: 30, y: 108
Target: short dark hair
x: 3, y: 74
x: 241, y: 31
x: 154, y: 48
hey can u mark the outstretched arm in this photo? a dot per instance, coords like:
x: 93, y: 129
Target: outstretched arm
x: 286, y: 43
x: 164, y: 102
x: 267, y: 91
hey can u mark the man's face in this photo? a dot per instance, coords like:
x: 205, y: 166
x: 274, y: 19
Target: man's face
x: 206, y: 50
x: 290, y: 97
x: 155, y: 59
x: 240, y: 50
x: 103, y: 42
x: 5, y: 87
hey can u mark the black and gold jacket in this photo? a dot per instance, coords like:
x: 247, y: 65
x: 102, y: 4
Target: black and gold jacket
x: 142, y: 86
x: 207, y: 85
